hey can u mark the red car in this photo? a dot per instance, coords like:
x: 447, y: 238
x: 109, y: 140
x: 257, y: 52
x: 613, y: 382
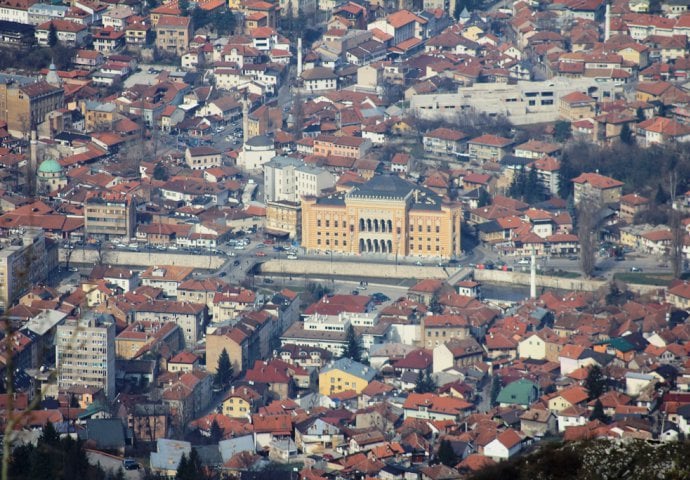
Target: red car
x: 260, y: 254
x: 268, y: 241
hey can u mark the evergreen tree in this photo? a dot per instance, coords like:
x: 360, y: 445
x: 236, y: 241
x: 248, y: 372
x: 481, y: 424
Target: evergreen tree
x: 49, y: 436
x: 446, y: 454
x: 419, y: 384
x: 119, y: 475
x: 639, y: 114
x: 160, y: 172
x: 425, y: 382
x: 216, y: 432
x: 52, y: 35
x: 534, y: 190
x: 661, y: 196
x: 41, y: 465
x: 595, y: 383
x: 184, y: 7
x: 495, y: 389
x: 353, y: 349
x: 562, y: 131
x: 598, y: 412
x: 190, y: 467
x: 224, y: 371
x: 484, y: 198
x: 627, y: 135
x: 73, y: 402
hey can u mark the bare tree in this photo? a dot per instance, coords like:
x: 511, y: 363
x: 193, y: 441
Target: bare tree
x: 588, y: 233
x: 297, y: 116
x: 675, y: 253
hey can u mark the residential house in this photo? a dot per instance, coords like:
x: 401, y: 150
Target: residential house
x: 344, y: 374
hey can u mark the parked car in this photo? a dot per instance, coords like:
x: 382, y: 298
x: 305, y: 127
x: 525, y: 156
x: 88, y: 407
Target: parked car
x: 292, y: 257
x: 236, y: 263
x: 635, y: 269
x: 130, y: 464
x: 260, y: 254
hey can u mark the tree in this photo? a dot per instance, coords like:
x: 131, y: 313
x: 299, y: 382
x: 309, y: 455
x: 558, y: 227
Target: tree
x: 224, y: 371
x: 660, y: 197
x: 627, y: 135
x: 216, y: 432
x: 425, y: 382
x: 484, y: 198
x: 675, y: 254
x: 588, y: 233
x: 495, y: 389
x: 595, y: 383
x: 297, y: 116
x: 49, y: 436
x: 160, y: 172
x: 562, y: 131
x: 73, y: 402
x: 52, y: 35
x: 639, y: 115
x: 190, y: 467
x: 353, y: 349
x: 446, y: 454
x: 598, y: 412
x: 184, y: 7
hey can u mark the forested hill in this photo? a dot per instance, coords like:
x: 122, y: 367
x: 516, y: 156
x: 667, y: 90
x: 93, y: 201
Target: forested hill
x: 597, y: 460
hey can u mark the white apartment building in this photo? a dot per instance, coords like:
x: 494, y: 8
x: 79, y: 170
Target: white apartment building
x: 42, y: 12
x: 14, y: 12
x: 289, y: 179
x: 85, y: 353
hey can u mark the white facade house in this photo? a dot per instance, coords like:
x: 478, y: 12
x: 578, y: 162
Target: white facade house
x: 507, y: 444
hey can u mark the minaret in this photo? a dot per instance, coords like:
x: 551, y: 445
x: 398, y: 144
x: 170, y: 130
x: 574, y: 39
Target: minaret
x: 607, y: 23
x: 33, y: 151
x: 533, y: 277
x: 299, y: 57
x: 52, y: 77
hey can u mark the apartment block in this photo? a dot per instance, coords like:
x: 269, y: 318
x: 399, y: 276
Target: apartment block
x: 109, y: 215
x: 85, y: 353
x: 25, y: 259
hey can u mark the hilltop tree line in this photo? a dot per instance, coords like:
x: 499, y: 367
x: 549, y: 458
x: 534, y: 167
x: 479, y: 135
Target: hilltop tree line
x: 656, y: 172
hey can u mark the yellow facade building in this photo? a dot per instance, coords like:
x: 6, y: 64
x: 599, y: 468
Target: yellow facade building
x: 386, y: 215
x: 343, y: 375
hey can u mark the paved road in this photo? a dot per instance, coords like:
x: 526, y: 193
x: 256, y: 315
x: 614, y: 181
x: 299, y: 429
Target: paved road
x: 112, y: 464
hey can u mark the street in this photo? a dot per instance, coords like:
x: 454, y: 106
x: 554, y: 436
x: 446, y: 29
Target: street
x: 112, y: 464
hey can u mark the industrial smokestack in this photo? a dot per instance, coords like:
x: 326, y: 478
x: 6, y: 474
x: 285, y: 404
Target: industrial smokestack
x: 299, y: 57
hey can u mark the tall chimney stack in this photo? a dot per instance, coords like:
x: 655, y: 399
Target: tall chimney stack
x: 299, y: 57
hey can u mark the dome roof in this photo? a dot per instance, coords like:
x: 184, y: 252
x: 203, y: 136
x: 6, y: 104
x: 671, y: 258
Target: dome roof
x: 50, y: 166
x: 261, y: 141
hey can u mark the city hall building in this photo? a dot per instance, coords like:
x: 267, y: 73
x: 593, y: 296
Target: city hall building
x: 386, y: 215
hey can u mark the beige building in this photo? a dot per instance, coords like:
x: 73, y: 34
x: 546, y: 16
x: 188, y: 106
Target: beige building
x: 201, y: 158
x: 109, y: 215
x: 350, y: 147
x: 173, y: 34
x: 489, y: 148
x: 85, y: 353
x: 631, y: 205
x: 603, y: 190
x: 576, y: 106
x: 24, y: 106
x: 284, y: 218
x: 386, y: 215
x: 24, y: 260
x: 166, y: 277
